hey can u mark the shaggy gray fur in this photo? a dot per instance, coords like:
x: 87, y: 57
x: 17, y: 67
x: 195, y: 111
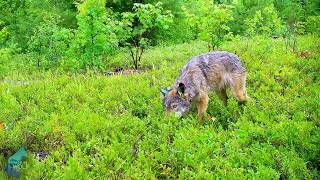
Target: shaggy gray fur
x: 206, y: 63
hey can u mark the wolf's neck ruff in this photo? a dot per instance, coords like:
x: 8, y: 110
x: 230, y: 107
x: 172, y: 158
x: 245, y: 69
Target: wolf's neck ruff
x: 187, y: 79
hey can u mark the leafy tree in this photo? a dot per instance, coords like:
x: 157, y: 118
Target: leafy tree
x: 192, y: 22
x: 140, y: 26
x: 313, y: 24
x: 210, y: 21
x: 181, y: 28
x: 265, y: 21
x: 10, y: 16
x: 244, y: 9
x: 49, y: 42
x: 21, y: 17
x: 193, y: 13
x: 95, y: 36
x: 120, y: 6
x: 215, y: 25
x: 4, y: 33
x: 297, y: 9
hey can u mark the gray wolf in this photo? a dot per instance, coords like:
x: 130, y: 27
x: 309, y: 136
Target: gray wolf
x: 214, y: 71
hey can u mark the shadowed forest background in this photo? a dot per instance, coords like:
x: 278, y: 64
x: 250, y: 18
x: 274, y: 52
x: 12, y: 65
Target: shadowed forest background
x: 79, y: 81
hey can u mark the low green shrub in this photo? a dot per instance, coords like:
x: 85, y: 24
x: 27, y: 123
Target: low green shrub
x: 97, y: 126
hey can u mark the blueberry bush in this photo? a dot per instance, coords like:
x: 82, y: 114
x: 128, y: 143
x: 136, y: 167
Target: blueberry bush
x: 80, y: 79
x: 95, y: 127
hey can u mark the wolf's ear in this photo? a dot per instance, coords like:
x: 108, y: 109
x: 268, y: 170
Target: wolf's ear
x: 163, y: 92
x: 181, y: 89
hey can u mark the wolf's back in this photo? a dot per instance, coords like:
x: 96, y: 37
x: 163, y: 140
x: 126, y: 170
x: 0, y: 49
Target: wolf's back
x: 229, y: 61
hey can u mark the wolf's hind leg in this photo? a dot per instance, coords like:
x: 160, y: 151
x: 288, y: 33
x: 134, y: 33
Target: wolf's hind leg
x: 238, y: 87
x: 202, y: 106
x: 222, y: 93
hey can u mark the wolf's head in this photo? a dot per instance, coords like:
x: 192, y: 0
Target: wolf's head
x: 176, y: 100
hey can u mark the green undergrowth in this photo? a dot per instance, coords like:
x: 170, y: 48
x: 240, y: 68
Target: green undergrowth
x: 96, y: 126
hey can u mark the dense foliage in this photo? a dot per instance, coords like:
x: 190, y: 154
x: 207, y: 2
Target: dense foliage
x: 59, y: 94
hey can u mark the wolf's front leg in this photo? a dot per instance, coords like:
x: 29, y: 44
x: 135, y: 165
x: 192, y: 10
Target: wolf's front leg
x: 202, y: 106
x: 222, y: 93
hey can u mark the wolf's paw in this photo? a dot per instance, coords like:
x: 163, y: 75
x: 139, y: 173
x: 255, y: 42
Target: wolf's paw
x: 208, y: 118
x: 211, y: 118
